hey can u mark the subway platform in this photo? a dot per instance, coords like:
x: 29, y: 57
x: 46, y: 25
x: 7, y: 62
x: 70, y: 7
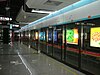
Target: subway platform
x: 18, y: 59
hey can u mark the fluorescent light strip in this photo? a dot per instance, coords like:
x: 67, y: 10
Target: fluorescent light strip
x: 39, y: 11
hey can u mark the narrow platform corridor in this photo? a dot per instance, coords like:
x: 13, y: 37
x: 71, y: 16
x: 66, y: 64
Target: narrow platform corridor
x: 18, y: 59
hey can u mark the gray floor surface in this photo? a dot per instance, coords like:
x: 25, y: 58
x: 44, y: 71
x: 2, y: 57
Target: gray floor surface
x: 18, y: 59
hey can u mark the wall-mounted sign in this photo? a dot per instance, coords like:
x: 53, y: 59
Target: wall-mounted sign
x: 10, y: 26
x: 15, y: 25
x: 5, y: 26
x: 5, y: 18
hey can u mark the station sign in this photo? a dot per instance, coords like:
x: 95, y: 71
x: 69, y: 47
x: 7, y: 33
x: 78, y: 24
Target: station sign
x: 5, y: 19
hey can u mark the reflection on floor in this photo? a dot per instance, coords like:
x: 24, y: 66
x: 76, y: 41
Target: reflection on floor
x: 21, y: 60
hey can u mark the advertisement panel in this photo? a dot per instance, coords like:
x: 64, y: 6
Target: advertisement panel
x: 72, y: 36
x: 36, y: 35
x: 50, y: 35
x: 55, y: 36
x: 95, y: 37
x: 42, y: 36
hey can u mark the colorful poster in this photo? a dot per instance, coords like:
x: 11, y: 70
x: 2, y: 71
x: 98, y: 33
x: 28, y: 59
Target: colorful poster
x: 55, y: 36
x: 50, y: 35
x: 42, y: 36
x: 72, y: 36
x: 95, y: 37
x: 36, y: 35
x: 63, y: 36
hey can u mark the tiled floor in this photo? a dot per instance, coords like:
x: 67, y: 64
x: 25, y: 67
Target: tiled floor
x: 21, y: 60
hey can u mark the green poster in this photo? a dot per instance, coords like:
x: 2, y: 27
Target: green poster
x: 70, y: 35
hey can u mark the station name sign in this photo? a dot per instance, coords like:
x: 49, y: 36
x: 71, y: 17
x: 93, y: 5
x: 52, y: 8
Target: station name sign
x: 5, y: 19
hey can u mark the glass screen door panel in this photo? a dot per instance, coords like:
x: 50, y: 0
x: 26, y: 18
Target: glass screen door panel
x: 50, y: 41
x: 72, y: 33
x: 35, y: 39
x: 42, y: 41
x: 90, y: 60
x: 57, y: 42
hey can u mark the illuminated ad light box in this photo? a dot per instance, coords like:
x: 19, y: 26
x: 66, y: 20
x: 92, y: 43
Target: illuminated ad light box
x: 72, y: 36
x: 50, y: 35
x: 42, y: 36
x: 63, y: 36
x: 36, y: 35
x: 95, y: 37
x: 55, y: 36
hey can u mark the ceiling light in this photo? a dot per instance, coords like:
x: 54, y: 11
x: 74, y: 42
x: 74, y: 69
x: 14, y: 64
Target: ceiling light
x: 39, y: 11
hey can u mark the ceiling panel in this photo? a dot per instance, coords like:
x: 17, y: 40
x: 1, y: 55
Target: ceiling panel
x: 53, y: 5
x: 28, y: 17
x: 49, y: 4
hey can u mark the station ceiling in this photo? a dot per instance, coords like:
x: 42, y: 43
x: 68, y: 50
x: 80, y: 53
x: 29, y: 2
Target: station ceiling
x: 26, y: 16
x: 13, y: 6
x: 20, y: 10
